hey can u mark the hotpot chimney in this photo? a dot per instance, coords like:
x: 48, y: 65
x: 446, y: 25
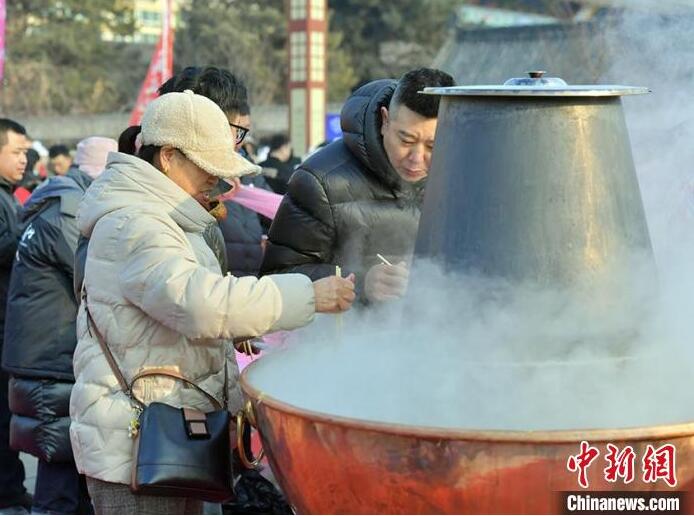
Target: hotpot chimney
x: 533, y: 180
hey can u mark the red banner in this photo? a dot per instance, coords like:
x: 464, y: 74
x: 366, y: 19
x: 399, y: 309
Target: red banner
x: 160, y: 67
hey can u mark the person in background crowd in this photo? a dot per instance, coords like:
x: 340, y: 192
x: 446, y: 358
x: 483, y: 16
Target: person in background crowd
x: 263, y: 152
x: 249, y: 148
x: 245, y: 230
x: 242, y: 229
x: 13, y: 147
x: 31, y: 178
x: 39, y: 147
x: 157, y: 294
x: 41, y: 168
x: 40, y: 333
x: 59, y: 159
x: 126, y: 144
x: 279, y: 160
x: 360, y: 196
x: 294, y: 161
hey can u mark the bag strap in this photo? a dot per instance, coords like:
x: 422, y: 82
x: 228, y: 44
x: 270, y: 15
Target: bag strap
x: 91, y: 325
x: 127, y: 387
x: 165, y: 372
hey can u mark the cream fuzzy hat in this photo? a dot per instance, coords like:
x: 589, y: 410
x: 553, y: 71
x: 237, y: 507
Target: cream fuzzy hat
x: 199, y: 129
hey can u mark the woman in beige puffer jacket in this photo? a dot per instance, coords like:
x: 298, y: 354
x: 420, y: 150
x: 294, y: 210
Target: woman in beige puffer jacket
x: 156, y: 293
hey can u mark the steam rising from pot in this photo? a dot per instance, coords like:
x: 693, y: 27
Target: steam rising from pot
x: 469, y: 352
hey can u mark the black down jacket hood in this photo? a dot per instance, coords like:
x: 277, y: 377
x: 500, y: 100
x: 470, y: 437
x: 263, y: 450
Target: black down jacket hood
x: 361, y: 121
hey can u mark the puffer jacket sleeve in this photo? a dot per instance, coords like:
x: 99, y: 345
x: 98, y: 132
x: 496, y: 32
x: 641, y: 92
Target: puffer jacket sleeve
x: 65, y: 248
x: 303, y: 234
x: 163, y: 278
x: 10, y: 231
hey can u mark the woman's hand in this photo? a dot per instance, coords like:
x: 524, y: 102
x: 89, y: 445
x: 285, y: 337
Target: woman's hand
x: 334, y: 294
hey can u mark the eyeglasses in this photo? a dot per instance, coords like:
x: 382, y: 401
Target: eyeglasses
x: 241, y: 132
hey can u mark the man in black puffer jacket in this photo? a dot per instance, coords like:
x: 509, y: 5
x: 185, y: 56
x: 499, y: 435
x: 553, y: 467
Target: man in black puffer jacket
x: 13, y: 160
x: 360, y: 196
x: 40, y: 335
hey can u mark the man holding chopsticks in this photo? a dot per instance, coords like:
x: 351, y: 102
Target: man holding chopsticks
x: 359, y: 197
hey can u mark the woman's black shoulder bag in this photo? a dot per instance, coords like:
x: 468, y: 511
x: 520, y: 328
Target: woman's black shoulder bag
x: 179, y: 452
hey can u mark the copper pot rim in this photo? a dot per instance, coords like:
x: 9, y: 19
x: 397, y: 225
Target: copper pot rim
x: 434, y: 433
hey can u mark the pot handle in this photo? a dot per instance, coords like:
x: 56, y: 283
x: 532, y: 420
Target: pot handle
x: 243, y: 415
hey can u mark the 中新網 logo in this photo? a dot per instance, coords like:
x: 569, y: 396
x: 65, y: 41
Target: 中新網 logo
x: 656, y: 464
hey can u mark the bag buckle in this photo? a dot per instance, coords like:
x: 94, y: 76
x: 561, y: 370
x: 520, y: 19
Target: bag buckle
x: 196, y: 423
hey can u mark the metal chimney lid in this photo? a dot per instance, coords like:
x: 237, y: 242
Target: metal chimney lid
x: 536, y: 85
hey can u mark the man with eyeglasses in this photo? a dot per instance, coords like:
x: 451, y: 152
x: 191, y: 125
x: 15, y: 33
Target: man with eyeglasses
x: 239, y: 245
x: 240, y: 130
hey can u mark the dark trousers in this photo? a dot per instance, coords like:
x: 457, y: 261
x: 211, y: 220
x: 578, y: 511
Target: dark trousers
x: 60, y: 489
x: 11, y: 468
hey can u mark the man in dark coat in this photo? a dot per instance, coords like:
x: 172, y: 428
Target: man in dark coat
x: 40, y: 334
x: 243, y: 232
x: 243, y: 229
x: 360, y: 196
x: 13, y: 149
x: 59, y: 159
x: 279, y: 160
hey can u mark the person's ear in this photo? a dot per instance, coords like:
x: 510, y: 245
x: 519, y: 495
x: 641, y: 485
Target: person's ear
x: 166, y: 156
x: 384, y: 120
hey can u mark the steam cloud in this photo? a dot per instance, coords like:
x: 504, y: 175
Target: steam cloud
x: 474, y: 353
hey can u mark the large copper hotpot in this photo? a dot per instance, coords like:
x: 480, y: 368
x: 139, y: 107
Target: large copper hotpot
x: 331, y: 465
x: 334, y: 465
